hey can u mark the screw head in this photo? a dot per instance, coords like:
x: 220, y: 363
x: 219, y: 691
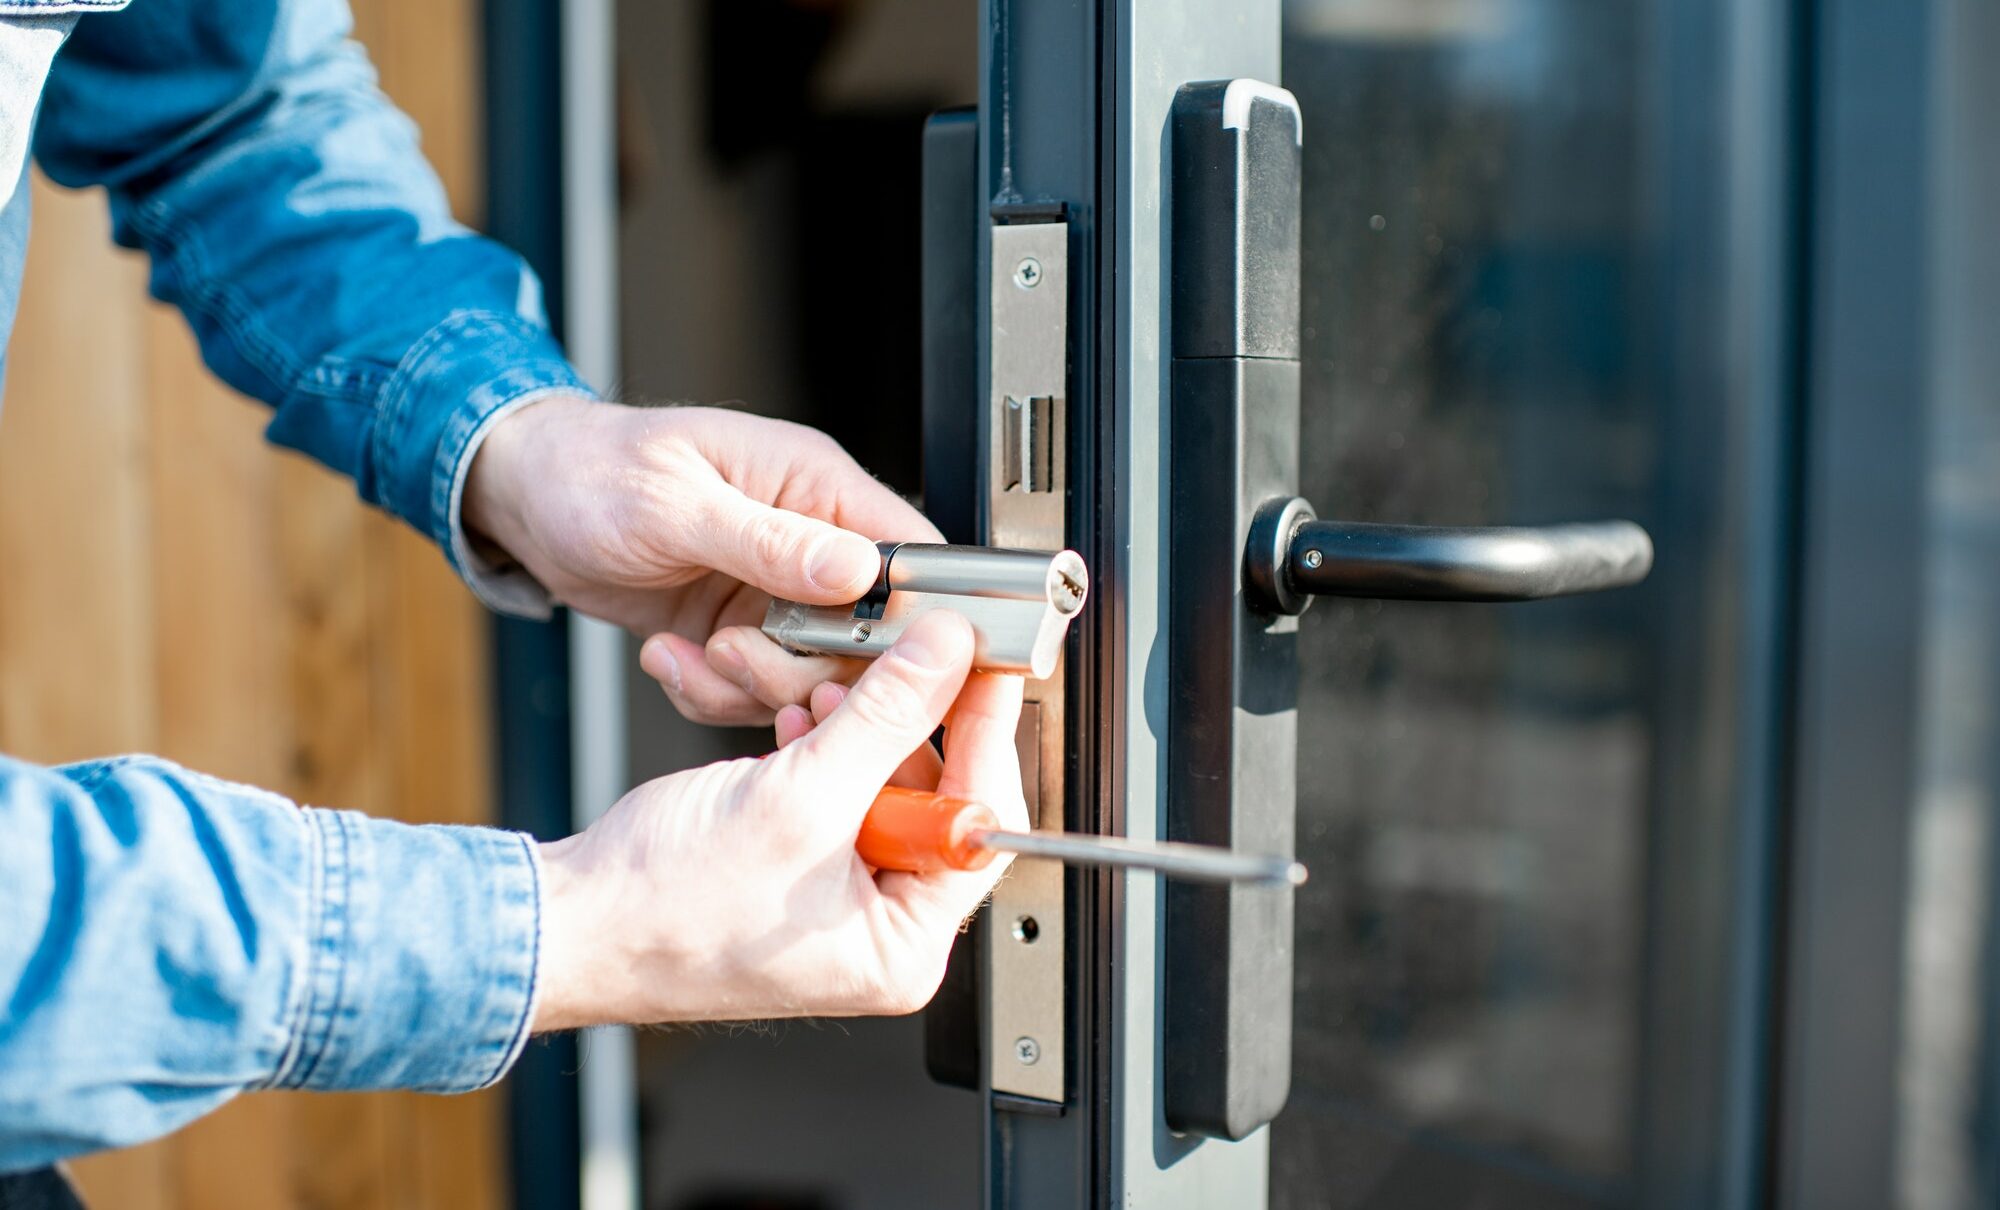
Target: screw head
x: 1312, y: 559
x: 1028, y: 274
x: 861, y: 632
x: 1027, y: 1051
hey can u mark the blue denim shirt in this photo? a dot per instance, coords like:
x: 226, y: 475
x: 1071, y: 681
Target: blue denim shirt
x: 167, y: 939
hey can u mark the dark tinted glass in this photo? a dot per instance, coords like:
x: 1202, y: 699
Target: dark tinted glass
x: 1948, y: 1094
x: 1523, y: 821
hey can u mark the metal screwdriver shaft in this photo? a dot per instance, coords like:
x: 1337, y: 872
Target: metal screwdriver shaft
x: 920, y: 830
x: 1189, y: 862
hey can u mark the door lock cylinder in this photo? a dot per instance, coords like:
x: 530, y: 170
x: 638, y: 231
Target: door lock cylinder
x: 1019, y: 602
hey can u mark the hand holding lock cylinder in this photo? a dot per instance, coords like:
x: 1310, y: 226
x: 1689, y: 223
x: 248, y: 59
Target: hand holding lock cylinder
x: 1019, y: 602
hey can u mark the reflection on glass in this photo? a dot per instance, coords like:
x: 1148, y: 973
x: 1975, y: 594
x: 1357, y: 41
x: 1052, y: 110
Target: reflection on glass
x: 1946, y: 1111
x: 1482, y: 788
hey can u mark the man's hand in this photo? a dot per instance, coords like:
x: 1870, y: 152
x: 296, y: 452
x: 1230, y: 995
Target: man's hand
x: 733, y: 891
x: 681, y: 524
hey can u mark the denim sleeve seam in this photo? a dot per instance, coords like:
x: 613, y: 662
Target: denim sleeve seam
x: 299, y: 995
x: 400, y: 389
x: 379, y: 392
x: 397, y: 401
x: 519, y: 1039
x: 333, y: 377
x: 215, y: 298
x: 343, y: 379
x: 327, y: 975
x: 90, y: 775
x: 392, y: 403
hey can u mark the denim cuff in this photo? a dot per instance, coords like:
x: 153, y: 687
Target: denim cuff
x: 436, y: 409
x: 503, y: 588
x: 420, y: 957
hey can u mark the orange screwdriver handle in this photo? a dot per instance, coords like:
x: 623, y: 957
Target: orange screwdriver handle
x: 922, y: 831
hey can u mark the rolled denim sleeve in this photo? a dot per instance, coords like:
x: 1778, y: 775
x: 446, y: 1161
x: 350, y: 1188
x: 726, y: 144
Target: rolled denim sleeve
x: 289, y: 213
x: 171, y: 940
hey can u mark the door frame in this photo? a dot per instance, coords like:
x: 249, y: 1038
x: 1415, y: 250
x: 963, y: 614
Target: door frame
x: 1075, y: 99
x: 1866, y: 217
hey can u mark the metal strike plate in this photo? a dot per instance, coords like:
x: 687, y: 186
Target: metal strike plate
x: 1019, y: 602
x: 1026, y: 493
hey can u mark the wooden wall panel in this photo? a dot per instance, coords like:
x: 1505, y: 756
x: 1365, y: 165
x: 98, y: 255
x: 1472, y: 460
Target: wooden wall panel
x: 76, y: 640
x: 176, y: 586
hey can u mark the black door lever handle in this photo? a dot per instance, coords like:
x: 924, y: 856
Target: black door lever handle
x: 1247, y: 557
x: 1292, y: 557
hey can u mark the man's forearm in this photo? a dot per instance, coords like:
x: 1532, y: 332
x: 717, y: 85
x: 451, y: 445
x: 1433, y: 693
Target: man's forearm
x: 290, y: 214
x: 173, y: 939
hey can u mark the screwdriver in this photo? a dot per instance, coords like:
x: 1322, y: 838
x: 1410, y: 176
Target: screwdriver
x: 922, y: 831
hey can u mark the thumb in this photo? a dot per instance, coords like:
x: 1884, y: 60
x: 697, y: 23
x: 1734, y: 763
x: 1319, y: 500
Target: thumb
x: 784, y: 553
x: 891, y: 712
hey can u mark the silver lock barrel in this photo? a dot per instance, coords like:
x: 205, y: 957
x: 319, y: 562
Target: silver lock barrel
x: 1056, y: 578
x: 1019, y: 603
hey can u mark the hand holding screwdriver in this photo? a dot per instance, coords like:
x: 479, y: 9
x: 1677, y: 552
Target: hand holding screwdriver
x: 909, y: 828
x: 733, y: 891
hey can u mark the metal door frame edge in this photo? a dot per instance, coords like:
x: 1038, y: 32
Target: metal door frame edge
x: 1075, y: 105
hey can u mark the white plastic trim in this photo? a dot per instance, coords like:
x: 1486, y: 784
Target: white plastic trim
x: 1236, y: 105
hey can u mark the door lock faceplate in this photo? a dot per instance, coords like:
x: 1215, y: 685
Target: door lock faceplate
x: 1026, y: 496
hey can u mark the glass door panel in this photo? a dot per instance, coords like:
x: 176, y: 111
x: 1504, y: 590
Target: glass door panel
x: 1523, y: 821
x: 1948, y: 1095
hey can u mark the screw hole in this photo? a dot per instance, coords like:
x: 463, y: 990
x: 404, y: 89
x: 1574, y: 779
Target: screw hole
x: 1026, y: 930
x: 861, y: 632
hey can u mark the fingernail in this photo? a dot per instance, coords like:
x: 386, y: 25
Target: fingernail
x: 725, y: 659
x: 659, y: 662
x: 841, y: 563
x: 826, y: 698
x: 920, y: 644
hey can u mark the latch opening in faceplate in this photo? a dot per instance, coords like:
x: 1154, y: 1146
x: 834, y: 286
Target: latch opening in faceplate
x: 1027, y: 444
